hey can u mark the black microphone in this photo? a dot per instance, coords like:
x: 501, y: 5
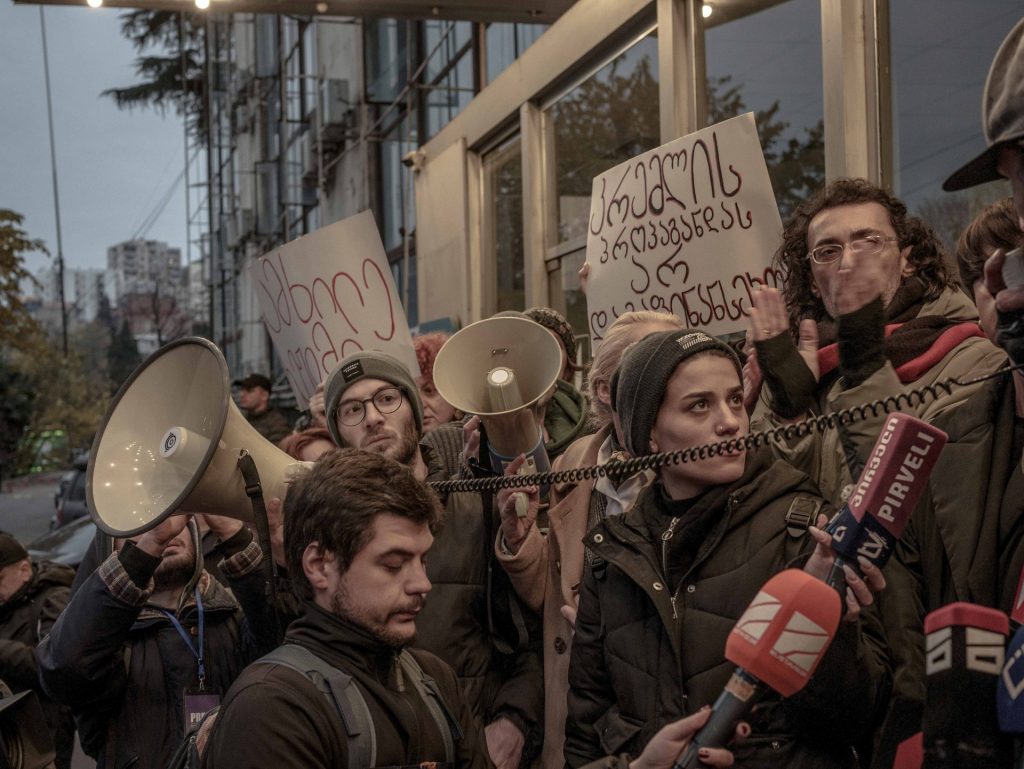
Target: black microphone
x: 964, y: 649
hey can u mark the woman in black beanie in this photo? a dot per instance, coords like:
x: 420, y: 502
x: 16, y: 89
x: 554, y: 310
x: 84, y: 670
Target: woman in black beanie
x: 669, y: 578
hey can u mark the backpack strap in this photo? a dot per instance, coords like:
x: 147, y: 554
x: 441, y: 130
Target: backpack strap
x: 802, y: 513
x: 426, y: 687
x: 341, y: 691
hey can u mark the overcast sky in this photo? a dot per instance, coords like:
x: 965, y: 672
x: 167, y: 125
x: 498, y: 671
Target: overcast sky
x: 113, y: 166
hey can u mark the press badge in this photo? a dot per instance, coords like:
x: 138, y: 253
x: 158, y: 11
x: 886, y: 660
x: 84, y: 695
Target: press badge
x: 197, y: 704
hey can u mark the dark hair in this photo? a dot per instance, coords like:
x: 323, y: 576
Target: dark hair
x: 926, y: 255
x: 336, y: 502
x: 995, y: 227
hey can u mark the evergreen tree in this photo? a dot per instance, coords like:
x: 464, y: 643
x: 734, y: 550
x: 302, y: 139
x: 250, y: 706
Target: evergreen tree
x: 171, y: 65
x: 123, y: 356
x: 15, y: 321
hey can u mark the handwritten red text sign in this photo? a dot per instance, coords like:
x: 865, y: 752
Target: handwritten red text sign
x: 327, y: 295
x: 687, y: 228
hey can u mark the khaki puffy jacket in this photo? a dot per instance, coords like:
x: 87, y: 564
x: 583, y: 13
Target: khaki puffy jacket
x: 827, y: 457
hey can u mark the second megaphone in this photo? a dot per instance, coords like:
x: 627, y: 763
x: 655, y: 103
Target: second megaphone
x: 501, y: 369
x: 171, y: 442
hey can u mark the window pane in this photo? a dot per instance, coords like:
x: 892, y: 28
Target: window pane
x: 448, y: 76
x: 385, y: 59
x: 769, y: 61
x: 575, y: 299
x: 941, y: 52
x: 608, y: 119
x: 505, y: 197
x: 395, y: 184
x: 506, y: 42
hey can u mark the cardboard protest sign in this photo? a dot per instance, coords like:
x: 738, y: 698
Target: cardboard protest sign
x: 329, y: 294
x: 688, y: 228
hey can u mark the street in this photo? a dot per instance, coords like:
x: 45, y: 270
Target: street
x: 25, y: 510
x: 26, y: 506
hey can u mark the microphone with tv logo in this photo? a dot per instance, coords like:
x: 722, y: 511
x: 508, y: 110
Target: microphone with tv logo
x: 964, y: 650
x: 878, y: 510
x: 777, y: 645
x: 1010, y: 692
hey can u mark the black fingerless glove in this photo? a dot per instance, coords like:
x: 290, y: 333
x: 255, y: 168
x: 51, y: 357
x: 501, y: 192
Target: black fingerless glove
x: 861, y: 337
x: 138, y: 564
x: 790, y: 382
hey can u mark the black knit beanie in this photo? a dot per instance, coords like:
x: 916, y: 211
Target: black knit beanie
x: 638, y: 386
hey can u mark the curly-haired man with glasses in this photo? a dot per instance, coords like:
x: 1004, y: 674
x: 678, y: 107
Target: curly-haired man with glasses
x: 869, y: 309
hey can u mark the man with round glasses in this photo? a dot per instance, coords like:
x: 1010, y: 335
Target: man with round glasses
x: 372, y: 403
x: 366, y: 409
x: 869, y: 309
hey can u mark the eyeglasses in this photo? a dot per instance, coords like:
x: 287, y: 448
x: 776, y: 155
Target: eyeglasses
x: 869, y: 245
x: 386, y: 401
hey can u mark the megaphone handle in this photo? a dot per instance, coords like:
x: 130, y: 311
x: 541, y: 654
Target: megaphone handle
x: 254, y: 490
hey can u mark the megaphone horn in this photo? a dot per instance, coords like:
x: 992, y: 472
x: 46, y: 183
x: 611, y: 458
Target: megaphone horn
x: 24, y: 736
x: 170, y: 442
x: 499, y: 369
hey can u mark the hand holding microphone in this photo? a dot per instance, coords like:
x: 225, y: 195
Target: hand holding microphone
x: 776, y: 645
x: 878, y: 510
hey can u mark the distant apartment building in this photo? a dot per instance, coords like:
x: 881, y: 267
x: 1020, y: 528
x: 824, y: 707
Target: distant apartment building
x: 146, y: 267
x: 198, y: 292
x: 90, y: 290
x: 86, y: 290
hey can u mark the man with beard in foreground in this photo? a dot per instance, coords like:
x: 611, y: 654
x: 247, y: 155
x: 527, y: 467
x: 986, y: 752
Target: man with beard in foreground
x: 357, y: 530
x: 151, y: 640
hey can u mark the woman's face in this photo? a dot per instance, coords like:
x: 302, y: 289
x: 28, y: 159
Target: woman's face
x: 703, y: 404
x: 436, y: 410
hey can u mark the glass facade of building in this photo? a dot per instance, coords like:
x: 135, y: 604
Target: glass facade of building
x: 769, y: 62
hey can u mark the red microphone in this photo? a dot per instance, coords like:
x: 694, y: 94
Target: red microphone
x: 777, y: 644
x: 878, y: 510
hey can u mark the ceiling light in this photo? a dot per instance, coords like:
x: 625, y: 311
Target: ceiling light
x: 202, y: 5
x: 321, y: 7
x: 94, y: 3
x: 706, y: 10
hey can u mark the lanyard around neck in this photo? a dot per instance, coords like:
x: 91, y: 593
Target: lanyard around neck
x: 197, y: 652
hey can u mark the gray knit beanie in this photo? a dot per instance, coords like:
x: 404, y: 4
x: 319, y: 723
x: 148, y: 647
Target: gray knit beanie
x: 638, y: 386
x: 371, y: 364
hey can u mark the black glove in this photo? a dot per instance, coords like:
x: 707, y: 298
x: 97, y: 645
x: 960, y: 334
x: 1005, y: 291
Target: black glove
x: 1010, y: 334
x: 786, y: 375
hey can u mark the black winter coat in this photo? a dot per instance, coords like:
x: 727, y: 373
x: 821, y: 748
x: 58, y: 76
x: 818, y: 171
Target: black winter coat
x: 25, y: 618
x: 641, y: 659
x: 123, y: 669
x: 473, y: 620
x: 275, y: 717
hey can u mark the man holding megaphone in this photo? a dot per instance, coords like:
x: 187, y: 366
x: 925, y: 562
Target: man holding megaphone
x: 151, y: 640
x: 372, y: 403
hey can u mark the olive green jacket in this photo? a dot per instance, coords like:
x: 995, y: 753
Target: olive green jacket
x: 832, y: 459
x: 957, y: 547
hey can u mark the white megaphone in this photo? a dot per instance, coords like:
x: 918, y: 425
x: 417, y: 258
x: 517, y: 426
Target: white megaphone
x: 171, y: 442
x: 25, y: 739
x: 499, y: 369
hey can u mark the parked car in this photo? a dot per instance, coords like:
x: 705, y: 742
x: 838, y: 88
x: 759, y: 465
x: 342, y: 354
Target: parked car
x: 67, y: 545
x: 69, y: 500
